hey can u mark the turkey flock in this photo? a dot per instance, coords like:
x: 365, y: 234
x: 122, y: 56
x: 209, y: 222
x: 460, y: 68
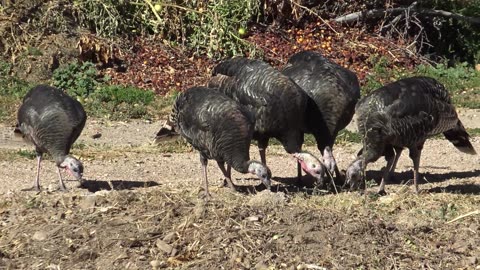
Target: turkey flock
x: 247, y: 99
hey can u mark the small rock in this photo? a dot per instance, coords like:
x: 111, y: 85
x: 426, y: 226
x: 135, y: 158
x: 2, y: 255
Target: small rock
x: 40, y: 236
x: 158, y: 264
x: 170, y: 237
x: 88, y: 202
x: 199, y: 211
x: 471, y: 260
x: 388, y: 199
x: 162, y: 245
x: 297, y: 239
x: 261, y: 266
x: 301, y: 266
x: 52, y: 188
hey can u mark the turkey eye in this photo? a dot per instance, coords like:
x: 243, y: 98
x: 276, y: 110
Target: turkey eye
x: 75, y: 169
x: 264, y: 176
x: 314, y: 166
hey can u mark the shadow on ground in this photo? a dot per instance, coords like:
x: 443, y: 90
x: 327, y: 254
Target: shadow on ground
x: 287, y: 185
x: 402, y: 177
x: 97, y: 185
x: 458, y: 189
x: 407, y: 176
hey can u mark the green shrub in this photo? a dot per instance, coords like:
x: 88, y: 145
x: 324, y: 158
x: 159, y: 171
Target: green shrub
x: 382, y: 73
x: 216, y: 30
x: 12, y: 86
x: 12, y: 90
x: 462, y: 81
x: 119, y: 102
x: 205, y: 27
x: 77, y: 79
x: 457, y: 78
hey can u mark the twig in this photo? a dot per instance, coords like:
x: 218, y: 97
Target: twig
x: 313, y: 13
x: 476, y: 212
x: 377, y: 13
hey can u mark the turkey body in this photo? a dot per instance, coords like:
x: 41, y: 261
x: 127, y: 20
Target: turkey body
x: 220, y: 129
x: 333, y: 92
x: 402, y: 115
x: 52, y: 121
x: 277, y: 102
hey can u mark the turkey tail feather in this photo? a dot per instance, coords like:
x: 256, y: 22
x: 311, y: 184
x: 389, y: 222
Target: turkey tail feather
x: 459, y: 137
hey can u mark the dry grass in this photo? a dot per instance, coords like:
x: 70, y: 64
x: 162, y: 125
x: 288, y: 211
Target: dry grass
x: 172, y: 228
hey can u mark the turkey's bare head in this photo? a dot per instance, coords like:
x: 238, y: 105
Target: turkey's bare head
x: 261, y: 171
x: 354, y: 174
x: 311, y: 165
x: 73, y: 166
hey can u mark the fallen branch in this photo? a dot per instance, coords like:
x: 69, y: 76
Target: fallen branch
x: 378, y: 13
x: 476, y: 212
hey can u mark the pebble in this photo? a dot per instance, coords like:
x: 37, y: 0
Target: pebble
x: 162, y: 245
x: 158, y: 264
x: 40, y: 236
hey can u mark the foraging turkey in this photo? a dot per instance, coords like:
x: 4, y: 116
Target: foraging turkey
x: 277, y: 103
x: 220, y: 129
x: 402, y: 115
x: 333, y: 92
x: 52, y: 121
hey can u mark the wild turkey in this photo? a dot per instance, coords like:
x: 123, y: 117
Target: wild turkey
x: 404, y: 114
x: 52, y: 121
x: 220, y: 129
x: 277, y: 102
x: 333, y: 92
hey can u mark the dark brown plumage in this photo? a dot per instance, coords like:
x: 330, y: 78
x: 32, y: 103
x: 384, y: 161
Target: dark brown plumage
x: 52, y: 121
x: 333, y: 92
x: 276, y: 101
x: 401, y: 115
x: 220, y: 129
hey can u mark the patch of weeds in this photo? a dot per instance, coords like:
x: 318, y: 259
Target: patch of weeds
x: 347, y: 136
x: 373, y: 196
x: 447, y: 211
x: 119, y: 102
x: 34, y: 51
x: 216, y: 29
x: 410, y: 244
x: 175, y: 146
x: 462, y: 81
x: 33, y: 203
x: 382, y: 73
x: 79, y: 145
x: 369, y: 183
x: 473, y: 132
x: 309, y: 139
x: 162, y: 105
x: 12, y: 91
x: 29, y: 154
x: 77, y: 79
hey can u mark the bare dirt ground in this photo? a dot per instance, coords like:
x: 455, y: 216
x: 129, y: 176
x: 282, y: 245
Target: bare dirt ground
x: 140, y: 210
